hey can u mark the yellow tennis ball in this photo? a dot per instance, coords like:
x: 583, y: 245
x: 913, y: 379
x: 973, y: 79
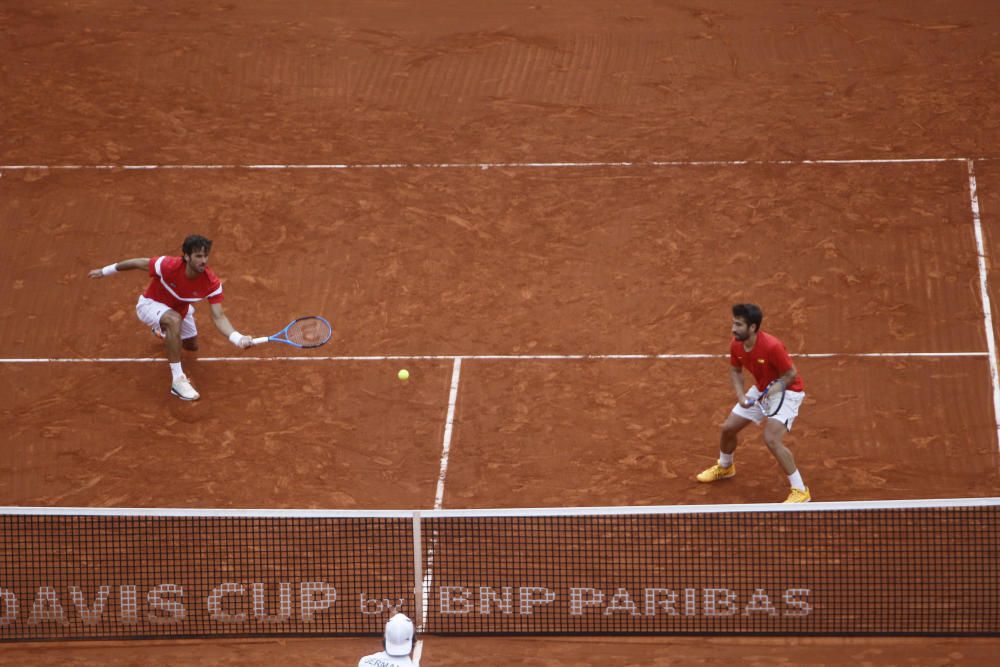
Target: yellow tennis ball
x: 404, y: 375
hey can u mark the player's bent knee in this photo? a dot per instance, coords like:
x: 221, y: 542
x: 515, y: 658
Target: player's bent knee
x: 733, y: 425
x: 774, y: 431
x: 170, y: 322
x: 774, y: 443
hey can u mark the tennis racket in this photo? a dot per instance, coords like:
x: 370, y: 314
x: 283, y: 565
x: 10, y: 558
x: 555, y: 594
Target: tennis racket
x: 311, y: 331
x: 770, y: 401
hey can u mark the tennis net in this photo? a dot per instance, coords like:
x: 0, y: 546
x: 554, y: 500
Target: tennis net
x: 894, y: 567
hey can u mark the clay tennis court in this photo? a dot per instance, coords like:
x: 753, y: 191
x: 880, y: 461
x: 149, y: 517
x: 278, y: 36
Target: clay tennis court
x: 544, y: 212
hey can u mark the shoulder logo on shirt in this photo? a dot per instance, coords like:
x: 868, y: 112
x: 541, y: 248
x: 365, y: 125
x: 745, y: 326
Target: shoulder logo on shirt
x: 760, y: 361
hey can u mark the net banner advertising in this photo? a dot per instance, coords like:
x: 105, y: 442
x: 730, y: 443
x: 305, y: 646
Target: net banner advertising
x: 864, y: 572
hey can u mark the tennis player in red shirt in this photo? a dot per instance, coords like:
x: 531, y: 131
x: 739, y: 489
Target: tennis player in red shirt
x: 766, y: 358
x: 167, y: 304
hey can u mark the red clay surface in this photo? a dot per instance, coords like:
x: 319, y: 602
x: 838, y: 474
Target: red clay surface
x: 334, y: 435
x: 880, y: 429
x: 339, y: 81
x: 532, y: 651
x: 845, y: 259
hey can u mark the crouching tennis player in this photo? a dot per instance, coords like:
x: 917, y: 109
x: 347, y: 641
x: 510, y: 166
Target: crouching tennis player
x: 767, y: 360
x: 166, y: 305
x: 397, y: 642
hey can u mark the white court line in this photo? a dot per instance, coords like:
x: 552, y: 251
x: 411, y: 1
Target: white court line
x: 448, y: 428
x: 485, y: 357
x: 419, y: 591
x: 618, y: 510
x: 984, y: 293
x: 472, y: 165
x: 449, y: 424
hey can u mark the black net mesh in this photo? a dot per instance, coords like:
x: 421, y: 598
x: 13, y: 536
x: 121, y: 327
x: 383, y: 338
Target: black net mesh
x: 879, y: 570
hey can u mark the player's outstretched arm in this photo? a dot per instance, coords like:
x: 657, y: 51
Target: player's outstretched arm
x: 126, y: 265
x: 226, y: 329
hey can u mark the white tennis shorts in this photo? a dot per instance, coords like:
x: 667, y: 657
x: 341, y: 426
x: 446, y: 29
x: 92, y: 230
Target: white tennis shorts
x: 150, y: 312
x: 786, y: 415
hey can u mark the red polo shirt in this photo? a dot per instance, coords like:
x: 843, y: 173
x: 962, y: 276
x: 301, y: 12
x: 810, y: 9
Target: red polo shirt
x: 171, y: 286
x: 767, y: 361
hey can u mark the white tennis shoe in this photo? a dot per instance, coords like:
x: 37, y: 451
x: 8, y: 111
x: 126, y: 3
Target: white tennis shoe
x: 158, y: 332
x: 182, y: 389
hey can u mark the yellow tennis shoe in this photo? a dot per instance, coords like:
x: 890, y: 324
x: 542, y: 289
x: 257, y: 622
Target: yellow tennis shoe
x: 798, y: 496
x: 715, y: 473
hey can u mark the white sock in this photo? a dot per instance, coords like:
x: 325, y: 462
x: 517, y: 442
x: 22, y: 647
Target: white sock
x: 725, y: 460
x: 176, y: 370
x: 795, y: 479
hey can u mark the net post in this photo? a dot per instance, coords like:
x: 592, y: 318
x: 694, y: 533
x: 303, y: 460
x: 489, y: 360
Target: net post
x: 418, y: 575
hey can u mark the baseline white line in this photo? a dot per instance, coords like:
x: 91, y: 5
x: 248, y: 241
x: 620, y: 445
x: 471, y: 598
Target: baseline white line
x: 473, y: 165
x: 984, y: 294
x: 485, y: 357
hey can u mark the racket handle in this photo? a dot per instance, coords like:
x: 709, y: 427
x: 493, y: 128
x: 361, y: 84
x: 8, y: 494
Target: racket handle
x: 262, y: 339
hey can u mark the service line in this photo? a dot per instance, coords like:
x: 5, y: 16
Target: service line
x: 484, y: 357
x: 472, y: 165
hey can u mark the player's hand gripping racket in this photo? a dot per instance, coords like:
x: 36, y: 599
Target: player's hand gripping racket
x: 771, y: 400
x: 311, y: 331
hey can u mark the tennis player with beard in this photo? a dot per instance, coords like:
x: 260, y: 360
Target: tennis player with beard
x: 166, y: 306
x: 397, y: 642
x: 766, y: 358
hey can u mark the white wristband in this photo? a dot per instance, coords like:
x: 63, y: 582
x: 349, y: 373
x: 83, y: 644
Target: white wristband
x: 235, y: 338
x: 109, y: 269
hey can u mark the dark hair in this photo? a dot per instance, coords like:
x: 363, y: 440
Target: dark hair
x: 196, y: 242
x: 749, y: 313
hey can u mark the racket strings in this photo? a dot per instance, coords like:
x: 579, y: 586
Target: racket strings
x: 309, y: 332
x: 765, y: 404
x: 771, y: 403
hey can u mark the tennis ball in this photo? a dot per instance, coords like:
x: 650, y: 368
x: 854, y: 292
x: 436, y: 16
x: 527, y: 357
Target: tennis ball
x: 404, y: 375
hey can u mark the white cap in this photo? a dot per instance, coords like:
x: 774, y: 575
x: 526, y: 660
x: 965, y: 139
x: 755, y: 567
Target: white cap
x: 399, y: 635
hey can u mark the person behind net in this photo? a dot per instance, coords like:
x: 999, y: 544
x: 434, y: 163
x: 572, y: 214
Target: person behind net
x: 768, y: 361
x: 397, y: 643
x: 166, y: 306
